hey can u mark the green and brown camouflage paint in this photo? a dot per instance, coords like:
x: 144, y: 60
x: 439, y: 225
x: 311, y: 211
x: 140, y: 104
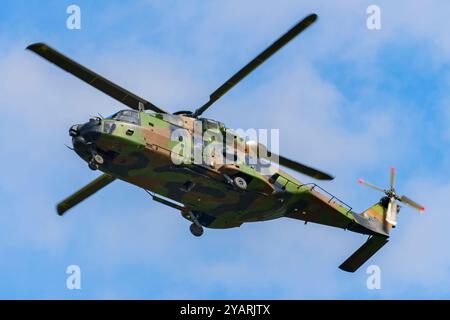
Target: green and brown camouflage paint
x: 142, y: 155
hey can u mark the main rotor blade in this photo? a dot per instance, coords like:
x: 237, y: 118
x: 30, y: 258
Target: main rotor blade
x: 412, y: 203
x: 314, y: 173
x: 392, y: 177
x: 252, y: 65
x: 90, y: 77
x: 361, y: 181
x: 83, y: 193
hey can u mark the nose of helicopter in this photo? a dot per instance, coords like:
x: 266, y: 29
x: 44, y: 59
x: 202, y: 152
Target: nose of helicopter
x: 84, y: 135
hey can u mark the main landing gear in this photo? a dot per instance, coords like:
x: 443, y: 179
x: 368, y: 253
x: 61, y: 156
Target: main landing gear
x: 96, y: 161
x: 196, y: 228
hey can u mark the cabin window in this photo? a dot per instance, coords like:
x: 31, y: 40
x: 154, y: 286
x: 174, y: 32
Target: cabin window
x: 274, y: 178
x: 173, y: 119
x: 211, y: 124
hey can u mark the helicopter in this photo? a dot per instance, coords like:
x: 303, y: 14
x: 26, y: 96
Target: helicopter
x: 139, y: 146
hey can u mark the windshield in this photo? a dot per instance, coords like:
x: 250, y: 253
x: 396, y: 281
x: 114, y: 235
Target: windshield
x: 130, y: 116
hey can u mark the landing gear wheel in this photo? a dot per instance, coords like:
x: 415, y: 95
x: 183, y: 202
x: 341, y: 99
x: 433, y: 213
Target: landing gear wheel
x: 240, y: 183
x: 93, y: 165
x: 98, y: 159
x: 196, y: 230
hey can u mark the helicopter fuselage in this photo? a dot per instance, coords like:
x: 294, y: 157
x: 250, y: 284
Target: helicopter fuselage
x: 138, y: 147
x: 161, y: 153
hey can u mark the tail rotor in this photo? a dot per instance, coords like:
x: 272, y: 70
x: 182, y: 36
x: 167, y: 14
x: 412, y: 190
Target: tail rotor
x: 392, y: 197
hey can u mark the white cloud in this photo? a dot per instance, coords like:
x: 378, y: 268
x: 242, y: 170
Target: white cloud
x: 119, y: 229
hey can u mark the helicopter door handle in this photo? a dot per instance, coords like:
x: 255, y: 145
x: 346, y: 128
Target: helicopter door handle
x: 129, y: 132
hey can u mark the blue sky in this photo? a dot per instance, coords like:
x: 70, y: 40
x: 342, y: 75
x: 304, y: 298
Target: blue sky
x: 346, y: 99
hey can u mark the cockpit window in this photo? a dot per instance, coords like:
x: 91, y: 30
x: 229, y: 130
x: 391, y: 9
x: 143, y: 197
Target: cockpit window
x: 130, y: 116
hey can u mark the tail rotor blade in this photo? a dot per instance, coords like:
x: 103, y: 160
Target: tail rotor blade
x: 367, y: 184
x: 392, y: 208
x: 392, y: 180
x: 412, y: 203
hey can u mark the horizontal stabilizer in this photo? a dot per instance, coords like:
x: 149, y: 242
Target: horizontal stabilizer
x: 83, y: 193
x: 364, y: 253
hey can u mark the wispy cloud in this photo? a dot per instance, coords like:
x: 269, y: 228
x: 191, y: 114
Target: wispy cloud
x: 340, y: 94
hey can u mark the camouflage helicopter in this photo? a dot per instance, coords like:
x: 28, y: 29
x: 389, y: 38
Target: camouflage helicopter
x: 137, y: 146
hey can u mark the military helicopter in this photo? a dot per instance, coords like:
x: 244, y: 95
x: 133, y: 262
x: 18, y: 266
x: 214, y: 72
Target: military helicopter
x: 137, y: 146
